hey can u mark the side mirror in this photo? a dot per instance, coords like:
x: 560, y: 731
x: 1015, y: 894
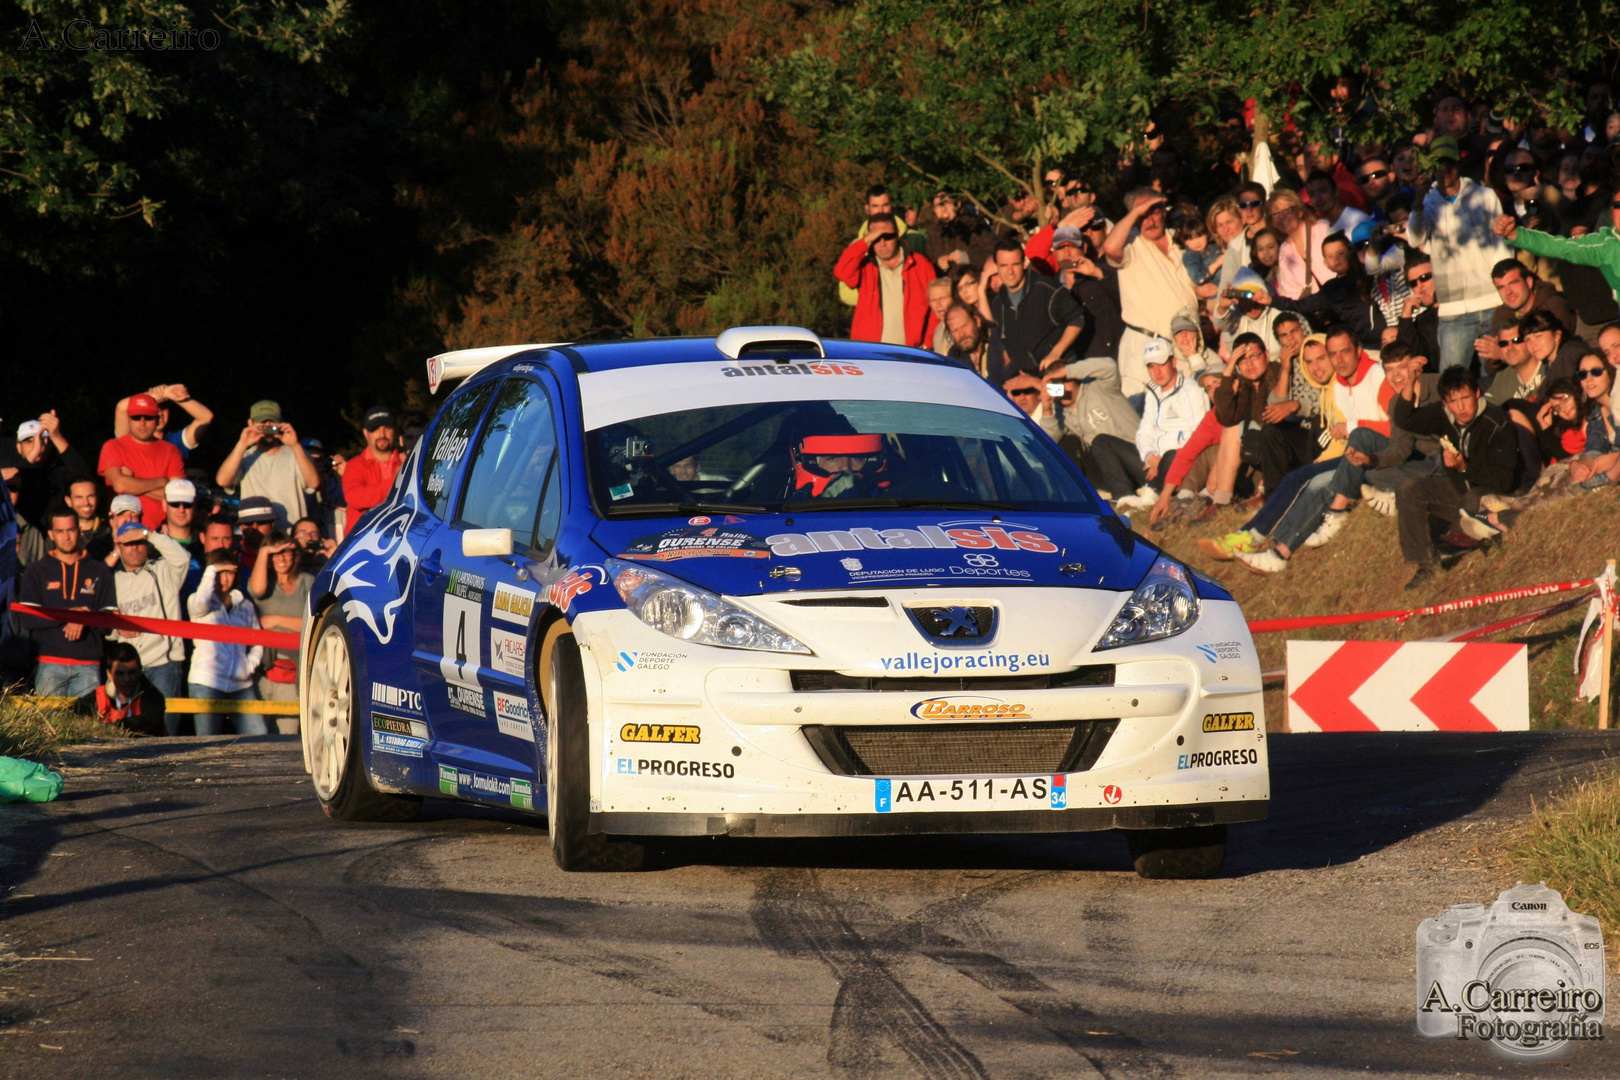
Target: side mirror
x: 486, y: 542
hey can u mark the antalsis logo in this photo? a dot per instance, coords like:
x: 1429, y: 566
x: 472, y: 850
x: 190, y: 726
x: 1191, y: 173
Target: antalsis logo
x: 738, y: 371
x: 981, y: 535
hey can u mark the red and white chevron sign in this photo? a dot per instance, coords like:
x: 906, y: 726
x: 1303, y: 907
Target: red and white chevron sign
x: 1416, y: 686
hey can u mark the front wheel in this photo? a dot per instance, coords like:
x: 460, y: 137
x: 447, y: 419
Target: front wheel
x: 336, y: 761
x: 568, y: 767
x: 1194, y: 852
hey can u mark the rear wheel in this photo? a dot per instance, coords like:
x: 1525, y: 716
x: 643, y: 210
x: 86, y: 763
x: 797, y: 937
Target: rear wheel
x: 568, y: 766
x: 1195, y: 852
x: 336, y: 760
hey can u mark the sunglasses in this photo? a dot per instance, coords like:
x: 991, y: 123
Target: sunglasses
x: 882, y: 236
x: 187, y: 505
x: 1615, y: 205
x: 1376, y: 174
x: 1024, y: 391
x: 1251, y: 204
x: 143, y: 416
x: 1516, y: 340
x: 1094, y: 223
x: 1592, y: 372
x: 1421, y: 278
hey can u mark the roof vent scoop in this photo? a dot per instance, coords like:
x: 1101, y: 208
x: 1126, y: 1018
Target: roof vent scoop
x: 739, y: 341
x: 464, y: 362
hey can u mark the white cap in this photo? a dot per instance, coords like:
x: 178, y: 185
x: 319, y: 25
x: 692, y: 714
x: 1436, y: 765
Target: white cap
x: 122, y: 503
x: 28, y: 429
x: 1157, y: 351
x: 180, y: 491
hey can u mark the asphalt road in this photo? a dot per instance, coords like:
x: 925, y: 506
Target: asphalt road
x: 186, y: 911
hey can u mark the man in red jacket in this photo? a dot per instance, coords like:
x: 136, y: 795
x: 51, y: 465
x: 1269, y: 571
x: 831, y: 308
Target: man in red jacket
x: 368, y: 477
x: 892, y: 284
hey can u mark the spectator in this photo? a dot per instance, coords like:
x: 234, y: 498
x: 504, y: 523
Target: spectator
x: 43, y: 464
x: 1600, y: 249
x: 313, y: 546
x: 1301, y: 269
x: 1322, y: 195
x: 180, y: 507
x: 957, y: 238
x: 370, y: 475
x: 1095, y: 283
x: 1479, y: 453
x: 877, y: 201
x: 103, y: 545
x: 972, y: 346
x: 1521, y: 292
x: 184, y: 440
x: 1192, y: 357
x: 139, y: 463
x: 1095, y: 415
x: 1240, y: 312
x: 221, y: 671
x: 69, y: 653
x: 84, y: 498
x: 1599, y: 463
x: 1419, y: 325
x: 1294, y: 434
x: 1324, y: 157
x: 150, y: 588
x: 1200, y: 255
x: 281, y: 591
x: 1173, y: 407
x: 1153, y: 284
x: 1561, y: 421
x: 412, y: 424
x: 1267, y: 253
x: 1453, y: 223
x: 1375, y: 462
x: 1345, y: 299
x: 1383, y: 259
x: 269, y: 462
x: 126, y: 697
x: 1377, y: 181
x: 1609, y: 343
x: 1250, y: 206
x: 257, y: 519
x: 1039, y: 320
x: 330, y: 503
x: 891, y: 285
x: 937, y: 334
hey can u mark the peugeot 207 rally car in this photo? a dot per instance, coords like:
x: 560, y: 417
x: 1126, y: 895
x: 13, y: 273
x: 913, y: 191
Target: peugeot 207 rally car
x: 765, y: 585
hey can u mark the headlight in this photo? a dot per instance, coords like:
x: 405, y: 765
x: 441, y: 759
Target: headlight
x: 673, y: 607
x: 1162, y: 606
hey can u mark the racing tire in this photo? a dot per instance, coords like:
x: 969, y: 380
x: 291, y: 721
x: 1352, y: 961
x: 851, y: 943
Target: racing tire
x: 337, y: 762
x: 1195, y: 852
x: 568, y: 769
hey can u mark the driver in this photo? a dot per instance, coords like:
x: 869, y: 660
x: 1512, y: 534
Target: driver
x: 837, y: 466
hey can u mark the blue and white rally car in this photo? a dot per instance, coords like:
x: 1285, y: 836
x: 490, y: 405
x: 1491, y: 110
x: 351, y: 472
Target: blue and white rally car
x: 765, y: 585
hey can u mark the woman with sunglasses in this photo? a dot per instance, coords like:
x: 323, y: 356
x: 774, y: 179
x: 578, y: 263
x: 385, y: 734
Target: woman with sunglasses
x: 1561, y: 421
x: 1599, y: 465
x: 1301, y: 268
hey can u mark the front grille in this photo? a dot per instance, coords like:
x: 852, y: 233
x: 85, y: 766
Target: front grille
x: 1062, y: 746
x: 1090, y: 675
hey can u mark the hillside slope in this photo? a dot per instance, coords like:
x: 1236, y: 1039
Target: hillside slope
x: 1563, y: 539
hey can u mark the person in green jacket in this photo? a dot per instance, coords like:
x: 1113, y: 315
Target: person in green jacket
x: 1600, y: 249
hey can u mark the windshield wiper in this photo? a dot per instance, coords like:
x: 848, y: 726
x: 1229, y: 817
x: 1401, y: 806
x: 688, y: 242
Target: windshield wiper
x: 665, y: 509
x: 800, y: 506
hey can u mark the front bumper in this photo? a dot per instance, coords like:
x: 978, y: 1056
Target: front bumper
x: 689, y: 740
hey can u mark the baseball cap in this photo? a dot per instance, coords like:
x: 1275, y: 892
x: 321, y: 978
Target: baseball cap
x: 1445, y: 148
x: 180, y: 491
x: 1182, y: 322
x: 1361, y: 233
x: 28, y: 429
x: 313, y: 445
x: 142, y: 405
x: 1068, y: 235
x: 1157, y: 351
x: 125, y: 503
x: 379, y: 416
x: 255, y: 509
x: 266, y: 410
x: 131, y: 530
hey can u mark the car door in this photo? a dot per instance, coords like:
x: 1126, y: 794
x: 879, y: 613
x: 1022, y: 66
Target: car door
x: 487, y: 719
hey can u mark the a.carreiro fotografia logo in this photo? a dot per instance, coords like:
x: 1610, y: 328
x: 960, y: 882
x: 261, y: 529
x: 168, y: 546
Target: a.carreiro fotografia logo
x: 1524, y: 976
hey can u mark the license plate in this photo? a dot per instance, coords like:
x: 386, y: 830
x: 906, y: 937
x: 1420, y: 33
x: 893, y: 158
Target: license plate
x: 910, y: 793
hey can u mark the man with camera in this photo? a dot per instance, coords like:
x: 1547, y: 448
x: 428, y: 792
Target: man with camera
x: 268, y: 461
x: 140, y: 463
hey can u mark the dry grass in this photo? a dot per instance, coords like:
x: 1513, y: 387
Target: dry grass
x: 1572, y: 844
x: 1361, y: 570
x: 30, y: 731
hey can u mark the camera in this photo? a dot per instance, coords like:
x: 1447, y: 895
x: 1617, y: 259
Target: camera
x: 273, y: 429
x: 1524, y: 960
x: 1055, y: 389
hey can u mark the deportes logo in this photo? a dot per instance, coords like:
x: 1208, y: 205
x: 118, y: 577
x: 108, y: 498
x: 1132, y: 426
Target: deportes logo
x: 980, y: 560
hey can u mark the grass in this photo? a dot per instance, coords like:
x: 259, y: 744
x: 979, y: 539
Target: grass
x: 31, y: 731
x: 1572, y: 844
x: 1562, y: 539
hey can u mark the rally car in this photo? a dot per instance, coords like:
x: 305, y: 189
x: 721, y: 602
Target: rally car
x: 766, y: 585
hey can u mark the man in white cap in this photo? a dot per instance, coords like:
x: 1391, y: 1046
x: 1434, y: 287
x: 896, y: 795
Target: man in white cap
x: 1172, y: 407
x: 39, y: 468
x: 150, y: 587
x: 179, y: 508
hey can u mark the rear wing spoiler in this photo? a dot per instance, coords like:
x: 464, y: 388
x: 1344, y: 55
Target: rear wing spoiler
x: 464, y: 362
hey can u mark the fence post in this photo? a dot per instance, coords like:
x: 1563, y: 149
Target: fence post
x: 1608, y: 658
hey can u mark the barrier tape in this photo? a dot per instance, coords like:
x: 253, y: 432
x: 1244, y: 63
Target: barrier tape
x: 111, y: 620
x: 181, y: 705
x: 1266, y: 626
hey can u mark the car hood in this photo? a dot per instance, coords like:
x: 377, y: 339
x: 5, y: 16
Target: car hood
x: 757, y: 554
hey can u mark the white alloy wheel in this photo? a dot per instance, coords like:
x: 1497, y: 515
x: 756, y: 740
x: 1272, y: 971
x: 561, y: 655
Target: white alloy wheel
x: 331, y: 710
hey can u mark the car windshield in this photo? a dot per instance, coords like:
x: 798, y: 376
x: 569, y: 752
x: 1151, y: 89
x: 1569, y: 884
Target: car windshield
x: 803, y: 456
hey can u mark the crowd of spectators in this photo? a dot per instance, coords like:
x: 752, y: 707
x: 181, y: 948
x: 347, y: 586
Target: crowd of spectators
x: 1427, y: 326
x: 148, y: 532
